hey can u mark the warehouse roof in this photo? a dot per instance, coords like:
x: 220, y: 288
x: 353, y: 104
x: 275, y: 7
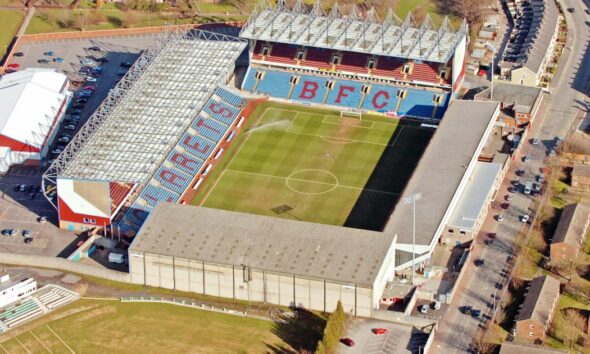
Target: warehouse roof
x: 536, y: 306
x: 572, y: 225
x: 262, y: 242
x: 475, y: 195
x: 521, y: 96
x: 441, y: 169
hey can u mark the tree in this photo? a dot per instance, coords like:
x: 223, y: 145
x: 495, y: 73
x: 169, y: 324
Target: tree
x: 96, y: 17
x: 481, y: 342
x: 321, y: 349
x: 81, y: 20
x: 130, y: 19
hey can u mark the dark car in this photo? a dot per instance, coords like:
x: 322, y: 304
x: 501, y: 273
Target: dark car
x: 347, y: 342
x: 466, y: 310
x: 28, y: 239
x: 475, y: 313
x: 19, y: 54
x: 94, y: 49
x: 571, y: 10
x: 101, y: 60
x: 78, y: 105
x: 479, y: 262
x: 82, y: 100
x: 43, y: 61
x: 126, y: 64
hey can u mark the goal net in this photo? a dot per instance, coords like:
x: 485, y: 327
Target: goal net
x: 350, y: 114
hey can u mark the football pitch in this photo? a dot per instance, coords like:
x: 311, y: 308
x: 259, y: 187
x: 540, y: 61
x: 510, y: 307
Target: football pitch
x: 313, y: 165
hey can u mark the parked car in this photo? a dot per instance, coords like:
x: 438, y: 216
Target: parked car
x: 84, y: 94
x: 347, y: 342
x: 380, y: 330
x: 58, y: 60
x: 78, y: 105
x: 49, y: 53
x: 524, y: 218
x: 126, y: 64
x: 479, y: 262
x: 466, y: 310
x: 42, y: 219
x: 10, y: 70
x: 9, y: 232
x: 122, y: 72
x: 57, y: 150
x: 27, y: 233
x: 535, y: 141
x: 540, y: 178
x: 558, y: 140
x: 13, y: 66
x: 509, y: 197
x: 526, y: 158
x: 436, y: 305
x: 64, y: 139
x: 82, y: 100
x: 75, y: 113
x: 19, y: 54
x: 91, y: 79
x: 571, y: 10
x: 70, y: 127
x: 101, y: 60
x: 475, y: 313
x: 28, y: 239
x: 43, y: 61
x: 94, y: 49
x: 22, y: 187
x: 500, y: 217
x: 423, y: 309
x: 89, y: 88
x: 552, y: 152
x: 86, y: 69
x: 87, y: 62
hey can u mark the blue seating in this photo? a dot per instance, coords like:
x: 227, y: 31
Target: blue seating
x: 381, y: 98
x: 185, y: 162
x: 136, y: 215
x: 153, y: 195
x: 209, y: 128
x: 173, y: 179
x: 275, y: 83
x: 230, y: 97
x: 221, y: 111
x: 310, y: 89
x: 196, y: 145
x: 249, y: 80
x: 420, y: 103
x: 346, y: 93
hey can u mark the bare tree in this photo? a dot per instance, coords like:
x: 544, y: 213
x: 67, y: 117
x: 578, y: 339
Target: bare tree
x: 482, y: 343
x: 130, y: 19
x: 81, y: 20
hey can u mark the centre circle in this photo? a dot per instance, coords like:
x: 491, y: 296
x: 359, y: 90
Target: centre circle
x: 312, y: 181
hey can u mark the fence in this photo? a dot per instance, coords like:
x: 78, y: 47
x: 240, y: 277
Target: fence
x: 180, y: 302
x: 64, y: 265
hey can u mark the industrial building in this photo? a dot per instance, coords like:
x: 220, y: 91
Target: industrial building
x: 32, y: 102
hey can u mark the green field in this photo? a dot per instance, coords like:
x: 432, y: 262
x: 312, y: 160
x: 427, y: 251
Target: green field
x: 10, y: 20
x: 312, y: 165
x: 91, y: 326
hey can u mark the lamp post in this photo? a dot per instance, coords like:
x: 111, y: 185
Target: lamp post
x: 492, y: 49
x: 411, y: 199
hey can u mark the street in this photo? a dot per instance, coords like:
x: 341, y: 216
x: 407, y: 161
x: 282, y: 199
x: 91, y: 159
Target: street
x: 563, y: 111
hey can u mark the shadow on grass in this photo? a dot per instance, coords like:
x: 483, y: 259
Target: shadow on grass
x: 390, y: 176
x: 549, y: 224
x: 115, y: 21
x: 302, y: 332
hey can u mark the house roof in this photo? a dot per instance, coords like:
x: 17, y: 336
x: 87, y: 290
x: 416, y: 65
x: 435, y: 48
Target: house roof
x: 539, y: 299
x: 29, y: 103
x: 572, y: 225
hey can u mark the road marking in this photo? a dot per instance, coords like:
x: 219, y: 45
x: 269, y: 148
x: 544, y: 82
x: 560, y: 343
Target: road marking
x: 22, y: 345
x: 6, y: 351
x: 61, y: 340
x: 42, y: 343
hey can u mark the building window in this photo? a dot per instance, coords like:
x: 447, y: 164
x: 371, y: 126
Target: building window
x: 406, y: 69
x: 335, y: 60
x: 265, y: 51
x: 89, y: 221
x: 372, y: 64
x: 300, y: 55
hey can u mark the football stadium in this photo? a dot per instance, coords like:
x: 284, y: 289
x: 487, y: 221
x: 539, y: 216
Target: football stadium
x: 281, y: 161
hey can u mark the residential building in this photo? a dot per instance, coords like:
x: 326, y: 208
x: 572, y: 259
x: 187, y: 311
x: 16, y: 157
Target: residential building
x: 570, y: 232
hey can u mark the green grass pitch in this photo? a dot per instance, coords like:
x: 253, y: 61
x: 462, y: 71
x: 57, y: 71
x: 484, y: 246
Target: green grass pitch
x: 310, y: 164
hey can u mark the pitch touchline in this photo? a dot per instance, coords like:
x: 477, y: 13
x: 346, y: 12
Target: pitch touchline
x: 306, y: 180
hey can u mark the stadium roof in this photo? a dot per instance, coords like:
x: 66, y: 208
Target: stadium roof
x: 264, y: 242
x: 356, y: 32
x: 128, y: 136
x: 29, y: 103
x: 441, y: 170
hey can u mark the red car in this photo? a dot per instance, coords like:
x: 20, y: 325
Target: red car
x: 347, y: 342
x: 90, y: 88
x: 14, y: 66
x: 380, y: 330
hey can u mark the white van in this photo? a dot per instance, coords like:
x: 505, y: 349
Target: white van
x: 116, y: 258
x: 528, y: 187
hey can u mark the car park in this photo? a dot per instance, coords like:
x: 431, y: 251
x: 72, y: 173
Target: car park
x: 524, y: 218
x: 347, y: 342
x: 43, y: 61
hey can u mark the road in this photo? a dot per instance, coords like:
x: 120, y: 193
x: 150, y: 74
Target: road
x: 562, y: 108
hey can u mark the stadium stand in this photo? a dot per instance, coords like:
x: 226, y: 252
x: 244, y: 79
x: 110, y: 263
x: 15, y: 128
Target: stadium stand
x: 187, y: 158
x: 416, y: 102
x: 18, y: 313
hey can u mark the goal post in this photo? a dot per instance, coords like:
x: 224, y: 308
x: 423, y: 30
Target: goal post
x: 351, y: 114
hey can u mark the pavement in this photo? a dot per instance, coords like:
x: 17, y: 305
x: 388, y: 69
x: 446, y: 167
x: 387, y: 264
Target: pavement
x: 398, y: 339
x: 563, y: 111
